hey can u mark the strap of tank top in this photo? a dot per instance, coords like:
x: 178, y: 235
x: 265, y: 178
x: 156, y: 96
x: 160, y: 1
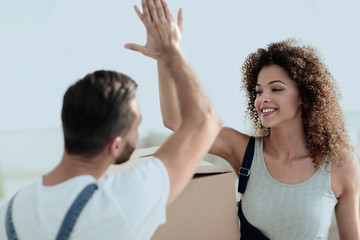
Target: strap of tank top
x: 74, y: 211
x: 10, y: 230
x: 244, y: 171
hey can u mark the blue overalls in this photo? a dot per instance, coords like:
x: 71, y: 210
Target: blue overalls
x: 248, y: 231
x: 69, y: 220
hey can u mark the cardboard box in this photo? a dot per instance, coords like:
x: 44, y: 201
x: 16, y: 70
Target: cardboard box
x: 206, y: 210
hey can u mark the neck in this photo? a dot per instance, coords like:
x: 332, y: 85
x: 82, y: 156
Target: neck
x: 287, y: 141
x: 74, y: 165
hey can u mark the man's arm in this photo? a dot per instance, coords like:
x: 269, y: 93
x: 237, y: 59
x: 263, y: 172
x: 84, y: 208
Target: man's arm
x: 229, y: 144
x: 199, y: 126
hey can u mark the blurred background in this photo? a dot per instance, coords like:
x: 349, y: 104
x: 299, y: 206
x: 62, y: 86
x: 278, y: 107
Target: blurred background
x: 45, y: 45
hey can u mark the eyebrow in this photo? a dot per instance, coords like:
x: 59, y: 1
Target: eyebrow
x: 272, y: 82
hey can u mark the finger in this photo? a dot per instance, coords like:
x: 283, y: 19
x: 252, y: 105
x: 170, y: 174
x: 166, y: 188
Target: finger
x: 180, y: 20
x: 152, y: 10
x: 135, y: 47
x: 146, y: 14
x: 138, y: 13
x: 167, y: 10
x: 160, y: 9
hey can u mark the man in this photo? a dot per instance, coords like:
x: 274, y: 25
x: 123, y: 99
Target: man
x: 100, y: 117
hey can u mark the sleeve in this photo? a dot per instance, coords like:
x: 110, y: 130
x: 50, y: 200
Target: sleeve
x: 3, y: 208
x: 143, y: 192
x: 153, y: 180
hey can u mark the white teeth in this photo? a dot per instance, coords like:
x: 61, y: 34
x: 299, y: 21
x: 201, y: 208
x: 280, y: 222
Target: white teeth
x: 268, y: 110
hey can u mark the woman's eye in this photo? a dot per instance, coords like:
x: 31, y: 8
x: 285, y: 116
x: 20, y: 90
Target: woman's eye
x: 277, y: 89
x: 258, y: 92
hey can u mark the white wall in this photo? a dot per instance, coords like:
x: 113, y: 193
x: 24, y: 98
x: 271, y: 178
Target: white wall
x: 45, y: 45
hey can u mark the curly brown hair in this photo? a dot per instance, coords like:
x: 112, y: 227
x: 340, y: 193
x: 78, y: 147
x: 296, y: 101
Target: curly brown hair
x: 321, y: 113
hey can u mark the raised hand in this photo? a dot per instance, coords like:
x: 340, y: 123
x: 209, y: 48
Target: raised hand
x: 163, y: 34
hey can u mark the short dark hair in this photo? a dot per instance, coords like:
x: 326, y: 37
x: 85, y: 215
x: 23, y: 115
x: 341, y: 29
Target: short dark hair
x: 96, y: 109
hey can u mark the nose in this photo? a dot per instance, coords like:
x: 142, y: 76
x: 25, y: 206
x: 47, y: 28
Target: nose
x: 264, y: 97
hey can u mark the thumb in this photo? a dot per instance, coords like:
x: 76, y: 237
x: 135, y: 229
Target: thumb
x: 180, y: 20
x: 135, y: 47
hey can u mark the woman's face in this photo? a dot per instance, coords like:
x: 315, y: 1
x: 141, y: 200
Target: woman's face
x: 277, y: 97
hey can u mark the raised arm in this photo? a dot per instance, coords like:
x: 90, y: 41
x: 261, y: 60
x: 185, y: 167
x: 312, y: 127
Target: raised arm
x: 169, y: 103
x: 229, y: 145
x: 183, y: 151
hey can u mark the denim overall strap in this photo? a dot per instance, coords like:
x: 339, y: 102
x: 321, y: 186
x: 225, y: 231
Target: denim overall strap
x: 248, y: 231
x: 74, y: 211
x: 244, y: 171
x: 10, y: 230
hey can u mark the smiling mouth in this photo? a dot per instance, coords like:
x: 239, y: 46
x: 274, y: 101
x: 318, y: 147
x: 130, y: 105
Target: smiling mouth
x: 268, y: 110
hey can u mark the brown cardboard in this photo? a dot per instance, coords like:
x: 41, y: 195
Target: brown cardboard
x: 205, y: 210
x: 137, y: 157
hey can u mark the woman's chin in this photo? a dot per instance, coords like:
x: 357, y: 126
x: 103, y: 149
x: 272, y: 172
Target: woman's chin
x: 266, y: 124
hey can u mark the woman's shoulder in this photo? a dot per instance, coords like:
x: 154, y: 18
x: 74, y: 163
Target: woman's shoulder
x: 233, y: 138
x: 230, y: 145
x: 346, y: 173
x: 348, y: 166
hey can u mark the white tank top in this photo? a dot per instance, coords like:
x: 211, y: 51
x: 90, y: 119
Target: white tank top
x: 288, y: 211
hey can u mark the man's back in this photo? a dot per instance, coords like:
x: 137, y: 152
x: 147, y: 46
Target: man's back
x: 119, y: 209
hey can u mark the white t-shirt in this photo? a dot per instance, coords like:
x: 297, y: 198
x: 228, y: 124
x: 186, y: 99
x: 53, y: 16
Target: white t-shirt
x: 129, y: 205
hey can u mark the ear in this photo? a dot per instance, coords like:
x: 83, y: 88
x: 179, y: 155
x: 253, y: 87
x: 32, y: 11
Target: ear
x: 115, y: 146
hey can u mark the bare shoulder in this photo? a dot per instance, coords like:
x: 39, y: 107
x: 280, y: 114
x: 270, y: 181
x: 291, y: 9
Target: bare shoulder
x: 346, y: 175
x: 347, y: 207
x: 350, y: 167
x: 230, y: 145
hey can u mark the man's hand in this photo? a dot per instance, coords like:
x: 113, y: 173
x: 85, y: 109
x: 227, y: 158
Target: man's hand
x: 163, y: 33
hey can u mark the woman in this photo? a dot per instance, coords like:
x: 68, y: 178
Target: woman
x: 303, y: 167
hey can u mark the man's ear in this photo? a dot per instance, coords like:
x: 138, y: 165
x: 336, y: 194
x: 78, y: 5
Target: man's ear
x: 115, y: 146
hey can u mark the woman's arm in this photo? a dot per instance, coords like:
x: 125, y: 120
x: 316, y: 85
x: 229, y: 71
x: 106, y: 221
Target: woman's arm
x: 347, y: 208
x: 169, y: 104
x: 229, y: 145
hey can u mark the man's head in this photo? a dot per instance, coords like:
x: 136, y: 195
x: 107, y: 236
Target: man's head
x: 97, y: 109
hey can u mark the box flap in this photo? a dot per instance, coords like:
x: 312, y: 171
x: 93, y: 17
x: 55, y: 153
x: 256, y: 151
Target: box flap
x: 206, y: 168
x: 142, y: 154
x: 138, y: 156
